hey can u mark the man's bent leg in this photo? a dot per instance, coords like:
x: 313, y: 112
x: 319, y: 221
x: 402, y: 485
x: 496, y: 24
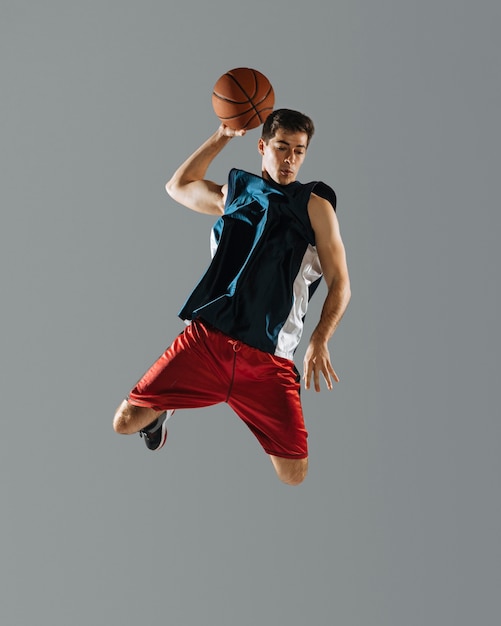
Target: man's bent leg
x: 290, y: 471
x: 130, y: 419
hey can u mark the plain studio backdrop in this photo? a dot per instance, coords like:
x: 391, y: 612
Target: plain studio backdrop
x: 398, y: 522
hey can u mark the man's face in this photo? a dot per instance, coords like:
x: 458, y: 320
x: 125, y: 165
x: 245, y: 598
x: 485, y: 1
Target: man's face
x: 283, y: 155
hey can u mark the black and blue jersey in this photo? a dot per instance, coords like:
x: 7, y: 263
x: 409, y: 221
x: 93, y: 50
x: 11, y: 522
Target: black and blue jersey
x: 264, y: 267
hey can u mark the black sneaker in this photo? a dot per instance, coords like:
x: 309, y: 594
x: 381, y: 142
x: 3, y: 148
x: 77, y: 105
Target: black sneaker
x: 155, y: 434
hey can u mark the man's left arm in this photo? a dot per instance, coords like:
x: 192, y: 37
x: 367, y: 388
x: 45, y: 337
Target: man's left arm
x: 332, y: 256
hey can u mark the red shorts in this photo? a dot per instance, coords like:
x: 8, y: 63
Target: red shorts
x: 203, y: 367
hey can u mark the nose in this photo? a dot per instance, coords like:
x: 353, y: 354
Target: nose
x: 291, y: 157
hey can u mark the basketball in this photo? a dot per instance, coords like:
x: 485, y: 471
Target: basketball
x: 243, y: 98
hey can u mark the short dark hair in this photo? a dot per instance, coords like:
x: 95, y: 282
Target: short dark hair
x: 289, y: 120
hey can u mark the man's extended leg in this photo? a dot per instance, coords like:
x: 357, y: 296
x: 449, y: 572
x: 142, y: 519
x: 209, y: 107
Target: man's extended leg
x: 184, y: 376
x: 290, y: 471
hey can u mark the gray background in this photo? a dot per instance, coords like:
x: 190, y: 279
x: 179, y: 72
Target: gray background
x: 398, y: 523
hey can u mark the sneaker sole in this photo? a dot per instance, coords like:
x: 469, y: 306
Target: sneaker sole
x: 164, y: 438
x: 169, y: 413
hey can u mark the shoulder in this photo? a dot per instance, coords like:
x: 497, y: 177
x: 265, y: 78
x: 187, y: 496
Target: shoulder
x: 323, y: 191
x: 304, y: 192
x: 301, y: 190
x: 322, y: 202
x: 322, y: 214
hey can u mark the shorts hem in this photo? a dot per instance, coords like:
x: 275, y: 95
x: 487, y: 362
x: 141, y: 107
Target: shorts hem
x: 284, y: 455
x: 145, y: 404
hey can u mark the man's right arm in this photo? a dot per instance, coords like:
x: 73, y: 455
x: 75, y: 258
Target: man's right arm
x: 188, y: 185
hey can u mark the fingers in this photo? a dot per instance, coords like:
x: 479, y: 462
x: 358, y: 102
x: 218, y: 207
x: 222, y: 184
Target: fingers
x: 307, y: 374
x: 231, y: 132
x: 328, y: 382
x: 312, y: 369
x: 333, y: 373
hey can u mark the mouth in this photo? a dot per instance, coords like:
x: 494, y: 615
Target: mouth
x: 286, y: 172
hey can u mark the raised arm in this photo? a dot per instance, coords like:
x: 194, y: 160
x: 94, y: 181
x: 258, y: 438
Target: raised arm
x: 188, y: 185
x: 332, y: 257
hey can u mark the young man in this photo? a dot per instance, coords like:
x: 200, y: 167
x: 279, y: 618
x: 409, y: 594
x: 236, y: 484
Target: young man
x: 274, y: 240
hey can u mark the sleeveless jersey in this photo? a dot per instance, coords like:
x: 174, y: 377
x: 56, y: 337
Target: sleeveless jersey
x: 265, y: 266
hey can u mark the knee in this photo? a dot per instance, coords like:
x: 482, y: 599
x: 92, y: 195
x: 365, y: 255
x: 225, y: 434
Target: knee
x: 293, y: 479
x: 129, y: 419
x: 121, y: 420
x: 291, y: 471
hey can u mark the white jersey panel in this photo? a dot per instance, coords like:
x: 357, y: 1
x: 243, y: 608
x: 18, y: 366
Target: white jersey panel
x: 290, y: 334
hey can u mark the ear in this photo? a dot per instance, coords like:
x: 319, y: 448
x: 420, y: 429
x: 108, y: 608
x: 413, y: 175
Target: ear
x: 260, y: 146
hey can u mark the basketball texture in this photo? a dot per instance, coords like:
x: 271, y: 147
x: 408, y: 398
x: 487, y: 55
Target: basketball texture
x: 243, y: 98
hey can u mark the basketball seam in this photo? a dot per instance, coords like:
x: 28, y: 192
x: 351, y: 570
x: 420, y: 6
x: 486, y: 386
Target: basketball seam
x: 251, y: 110
x: 249, y: 98
x: 255, y: 91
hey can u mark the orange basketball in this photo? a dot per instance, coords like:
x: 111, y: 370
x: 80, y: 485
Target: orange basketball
x: 243, y: 98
